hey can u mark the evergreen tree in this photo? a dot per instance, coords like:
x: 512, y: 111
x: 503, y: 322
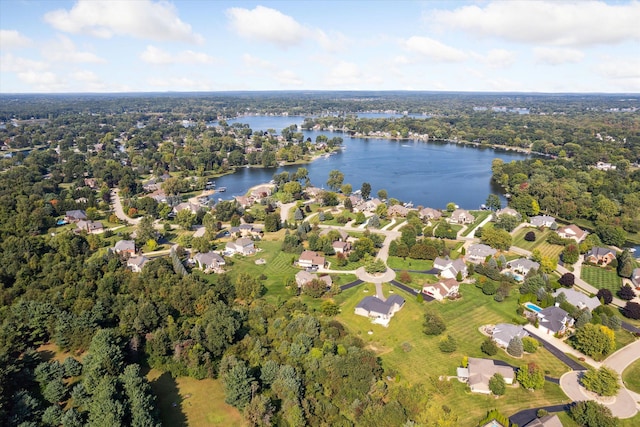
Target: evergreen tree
x: 237, y: 385
x: 515, y: 347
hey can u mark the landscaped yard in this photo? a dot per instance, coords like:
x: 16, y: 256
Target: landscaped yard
x: 479, y: 217
x: 601, y: 278
x: 631, y: 376
x: 186, y: 401
x: 415, y: 357
x: 409, y: 264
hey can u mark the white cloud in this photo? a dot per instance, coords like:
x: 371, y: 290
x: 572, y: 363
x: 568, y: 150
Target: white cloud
x: 89, y: 81
x: 180, y: 83
x: 12, y: 39
x: 44, y: 81
x: 499, y: 58
x: 64, y: 50
x: 433, y: 49
x: 288, y: 78
x: 16, y: 64
x: 255, y: 62
x: 547, y: 22
x: 620, y: 69
x: 344, y: 74
x: 263, y: 23
x: 157, y: 56
x: 142, y: 19
x: 557, y: 56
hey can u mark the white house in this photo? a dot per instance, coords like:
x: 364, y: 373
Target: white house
x: 542, y: 221
x: 523, y: 265
x: 461, y: 216
x: 578, y: 299
x: 125, y: 247
x: 241, y: 246
x: 503, y: 333
x: 443, y: 289
x: 479, y: 372
x: 209, y: 261
x: 136, y: 263
x: 449, y: 268
x: 554, y: 320
x: 303, y: 277
x: 572, y: 232
x: 479, y: 252
x: 379, y: 311
x: 311, y: 259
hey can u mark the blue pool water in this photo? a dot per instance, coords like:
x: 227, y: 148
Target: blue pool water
x: 531, y: 306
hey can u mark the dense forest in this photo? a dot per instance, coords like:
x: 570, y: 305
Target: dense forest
x: 281, y: 364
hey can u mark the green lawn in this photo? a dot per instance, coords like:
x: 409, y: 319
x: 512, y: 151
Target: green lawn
x: 189, y: 402
x: 631, y: 376
x: 601, y: 278
x: 479, y: 217
x: 541, y: 236
x: 409, y: 264
x: 424, y: 359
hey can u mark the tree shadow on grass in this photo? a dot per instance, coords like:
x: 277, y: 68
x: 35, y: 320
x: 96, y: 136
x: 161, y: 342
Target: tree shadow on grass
x: 169, y: 401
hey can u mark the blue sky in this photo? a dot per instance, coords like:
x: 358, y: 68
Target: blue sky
x: 192, y: 45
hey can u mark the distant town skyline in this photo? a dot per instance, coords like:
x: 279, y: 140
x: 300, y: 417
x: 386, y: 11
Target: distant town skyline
x: 478, y: 46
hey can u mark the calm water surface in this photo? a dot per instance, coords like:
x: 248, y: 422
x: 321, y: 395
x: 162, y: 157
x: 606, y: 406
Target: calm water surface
x: 428, y: 174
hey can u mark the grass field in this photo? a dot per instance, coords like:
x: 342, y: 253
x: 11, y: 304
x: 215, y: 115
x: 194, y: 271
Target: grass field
x: 463, y: 318
x: 601, y: 278
x: 631, y: 376
x: 540, y: 243
x: 190, y: 402
x: 409, y: 264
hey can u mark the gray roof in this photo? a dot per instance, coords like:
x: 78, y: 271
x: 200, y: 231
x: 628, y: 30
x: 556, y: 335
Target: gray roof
x: 578, y: 299
x: 78, y: 214
x: 481, y: 250
x: 550, y: 420
x: 541, y: 220
x: 504, y: 332
x: 139, y: 261
x: 209, y: 258
x: 523, y: 263
x: 635, y: 277
x: 599, y: 252
x: 125, y: 245
x: 375, y: 305
x: 553, y: 318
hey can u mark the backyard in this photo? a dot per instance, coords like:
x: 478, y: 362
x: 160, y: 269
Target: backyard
x: 415, y: 358
x: 601, y: 278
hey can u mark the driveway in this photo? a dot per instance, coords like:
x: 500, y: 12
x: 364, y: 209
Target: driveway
x: 351, y: 285
x: 557, y: 352
x: 524, y: 417
x: 434, y: 271
x: 117, y: 207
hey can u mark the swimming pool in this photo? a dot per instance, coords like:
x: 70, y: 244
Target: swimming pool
x: 531, y: 306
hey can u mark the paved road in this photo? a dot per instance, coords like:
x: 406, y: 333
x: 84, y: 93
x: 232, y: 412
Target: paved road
x: 435, y: 271
x: 624, y: 357
x: 524, y: 417
x: 351, y: 285
x: 557, y: 352
x: 629, y: 327
x: 622, y: 406
x: 117, y: 207
x: 407, y: 289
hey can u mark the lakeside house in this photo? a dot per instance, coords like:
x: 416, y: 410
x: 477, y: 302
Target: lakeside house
x: 572, y: 232
x: 507, y: 211
x: 461, y: 216
x: 430, y: 213
x: 191, y: 207
x: 443, y: 289
x: 379, y: 311
x: 542, y: 221
x: 479, y: 371
x: 243, y: 246
x: 397, y: 210
x: 600, y: 256
x: 311, y: 259
x: 449, y: 268
x: 503, y: 333
x: 479, y: 252
x: 137, y: 263
x: 125, y: 247
x: 209, y: 261
x: 578, y: 299
x: 554, y: 320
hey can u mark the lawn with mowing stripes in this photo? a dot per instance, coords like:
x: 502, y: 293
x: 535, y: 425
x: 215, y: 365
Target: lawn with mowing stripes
x: 519, y: 241
x: 601, y: 278
x: 424, y: 359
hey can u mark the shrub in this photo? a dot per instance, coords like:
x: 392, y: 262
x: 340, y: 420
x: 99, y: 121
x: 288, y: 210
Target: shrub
x: 631, y: 310
x: 567, y: 280
x: 530, y: 345
x: 489, y: 347
x: 497, y: 384
x: 448, y: 344
x: 530, y: 236
x: 626, y: 293
x: 515, y: 347
x: 433, y: 323
x: 530, y: 376
x: 489, y: 288
x: 592, y: 414
x: 604, y: 381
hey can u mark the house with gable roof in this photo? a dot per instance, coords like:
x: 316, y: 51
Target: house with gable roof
x: 380, y: 311
x: 479, y: 371
x: 125, y: 247
x: 449, y: 268
x: 523, y: 265
x: 542, y: 221
x: 461, y: 216
x: 211, y: 261
x: 443, y: 289
x: 137, y: 263
x: 600, y: 256
x: 572, y: 232
x: 243, y: 246
x: 554, y: 320
x: 635, y: 277
x: 578, y: 299
x: 430, y: 213
x: 479, y: 252
x: 311, y: 259
x: 503, y: 333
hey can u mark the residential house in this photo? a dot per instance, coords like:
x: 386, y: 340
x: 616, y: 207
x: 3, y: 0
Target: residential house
x: 507, y: 211
x: 243, y: 246
x: 90, y: 227
x: 554, y: 320
x: 604, y: 166
x: 599, y: 255
x: 379, y: 311
x: 503, y: 333
x: 192, y: 207
x: 397, y: 210
x: 91, y: 183
x: 549, y: 420
x: 523, y: 266
x: 443, y: 289
x: 542, y: 221
x: 343, y: 234
x: 311, y: 259
x: 209, y: 261
x: 572, y: 232
x: 244, y: 201
x: 461, y: 216
x: 449, y: 268
x: 341, y: 247
x: 261, y: 192
x: 137, y: 263
x: 246, y: 230
x: 159, y: 196
x: 125, y: 247
x: 371, y: 205
x: 578, y: 299
x: 75, y: 216
x: 303, y: 277
x: 635, y: 277
x: 430, y: 213
x: 313, y: 191
x: 479, y: 252
x: 479, y: 372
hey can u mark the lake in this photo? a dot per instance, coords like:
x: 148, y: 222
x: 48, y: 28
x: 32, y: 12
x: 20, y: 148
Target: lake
x: 428, y: 174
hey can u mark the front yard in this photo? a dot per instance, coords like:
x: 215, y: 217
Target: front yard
x: 601, y: 278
